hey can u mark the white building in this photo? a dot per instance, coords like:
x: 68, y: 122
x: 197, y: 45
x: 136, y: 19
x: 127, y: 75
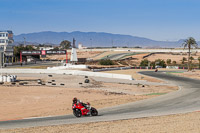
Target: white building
x: 80, y: 46
x: 46, y: 48
x: 6, y: 39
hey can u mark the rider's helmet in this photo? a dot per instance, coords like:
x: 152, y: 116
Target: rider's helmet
x: 74, y: 100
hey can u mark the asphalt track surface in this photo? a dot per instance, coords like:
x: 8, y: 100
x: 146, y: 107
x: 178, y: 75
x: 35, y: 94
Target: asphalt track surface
x: 187, y: 99
x: 116, y: 56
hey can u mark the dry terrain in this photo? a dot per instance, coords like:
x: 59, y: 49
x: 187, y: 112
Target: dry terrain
x: 164, y: 56
x: 174, y: 57
x: 180, y: 123
x: 81, y: 54
x: 35, y: 100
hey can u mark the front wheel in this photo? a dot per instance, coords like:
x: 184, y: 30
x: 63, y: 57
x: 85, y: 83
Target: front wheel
x: 94, y: 112
x: 77, y: 112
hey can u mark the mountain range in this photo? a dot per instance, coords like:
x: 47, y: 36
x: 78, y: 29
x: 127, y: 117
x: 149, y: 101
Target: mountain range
x: 93, y: 39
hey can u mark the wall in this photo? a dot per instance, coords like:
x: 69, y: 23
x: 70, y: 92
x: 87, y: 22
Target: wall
x: 72, y: 72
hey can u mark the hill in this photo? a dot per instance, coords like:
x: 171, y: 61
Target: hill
x: 93, y: 39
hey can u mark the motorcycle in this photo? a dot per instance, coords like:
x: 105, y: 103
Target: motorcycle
x: 82, y: 109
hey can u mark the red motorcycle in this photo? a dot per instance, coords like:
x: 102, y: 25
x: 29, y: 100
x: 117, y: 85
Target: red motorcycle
x: 82, y: 109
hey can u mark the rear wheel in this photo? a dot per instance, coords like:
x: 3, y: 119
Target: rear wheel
x: 77, y: 112
x: 94, y: 112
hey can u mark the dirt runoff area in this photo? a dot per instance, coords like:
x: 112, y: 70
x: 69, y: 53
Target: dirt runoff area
x: 195, y: 74
x: 80, y: 54
x: 181, y: 123
x: 54, y: 94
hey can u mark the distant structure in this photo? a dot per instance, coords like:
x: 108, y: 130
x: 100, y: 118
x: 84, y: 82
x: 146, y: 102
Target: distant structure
x: 80, y: 46
x: 73, y: 58
x: 6, y: 38
x: 46, y: 47
x: 6, y: 41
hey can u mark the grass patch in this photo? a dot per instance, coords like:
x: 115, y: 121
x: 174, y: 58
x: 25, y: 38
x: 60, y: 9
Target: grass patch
x: 155, y: 94
x: 173, y: 72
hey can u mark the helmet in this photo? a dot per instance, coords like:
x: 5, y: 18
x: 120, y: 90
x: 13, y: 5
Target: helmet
x: 74, y: 100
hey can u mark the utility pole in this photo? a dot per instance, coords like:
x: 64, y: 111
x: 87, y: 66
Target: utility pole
x: 112, y: 43
x: 91, y: 43
x: 24, y: 41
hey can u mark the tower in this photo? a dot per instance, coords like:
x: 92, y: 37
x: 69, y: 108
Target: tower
x: 73, y: 52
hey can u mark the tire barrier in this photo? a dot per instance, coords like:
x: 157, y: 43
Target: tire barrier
x: 8, y: 78
x: 21, y: 83
x: 110, y: 69
x: 142, y: 67
x: 87, y: 81
x: 25, y: 83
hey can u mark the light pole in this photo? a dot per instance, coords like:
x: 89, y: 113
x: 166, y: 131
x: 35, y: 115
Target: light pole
x: 91, y: 43
x: 112, y: 43
x: 24, y: 41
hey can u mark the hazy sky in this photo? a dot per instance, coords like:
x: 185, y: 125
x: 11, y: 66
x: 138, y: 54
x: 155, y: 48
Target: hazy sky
x: 154, y: 19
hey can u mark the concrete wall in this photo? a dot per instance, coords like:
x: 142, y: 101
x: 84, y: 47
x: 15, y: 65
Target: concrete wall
x: 65, y: 66
x: 72, y: 72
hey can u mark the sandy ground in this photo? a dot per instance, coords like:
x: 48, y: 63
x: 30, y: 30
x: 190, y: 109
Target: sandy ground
x: 34, y: 100
x: 82, y: 54
x: 173, y: 57
x: 96, y: 55
x: 181, y: 123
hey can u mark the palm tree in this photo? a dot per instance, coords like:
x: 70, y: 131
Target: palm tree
x: 189, y: 43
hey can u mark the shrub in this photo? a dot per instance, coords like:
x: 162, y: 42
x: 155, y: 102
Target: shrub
x: 169, y: 61
x: 160, y: 62
x: 144, y: 62
x: 106, y: 62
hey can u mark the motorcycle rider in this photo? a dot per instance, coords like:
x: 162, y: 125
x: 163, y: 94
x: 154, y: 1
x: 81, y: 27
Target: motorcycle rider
x: 77, y: 101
